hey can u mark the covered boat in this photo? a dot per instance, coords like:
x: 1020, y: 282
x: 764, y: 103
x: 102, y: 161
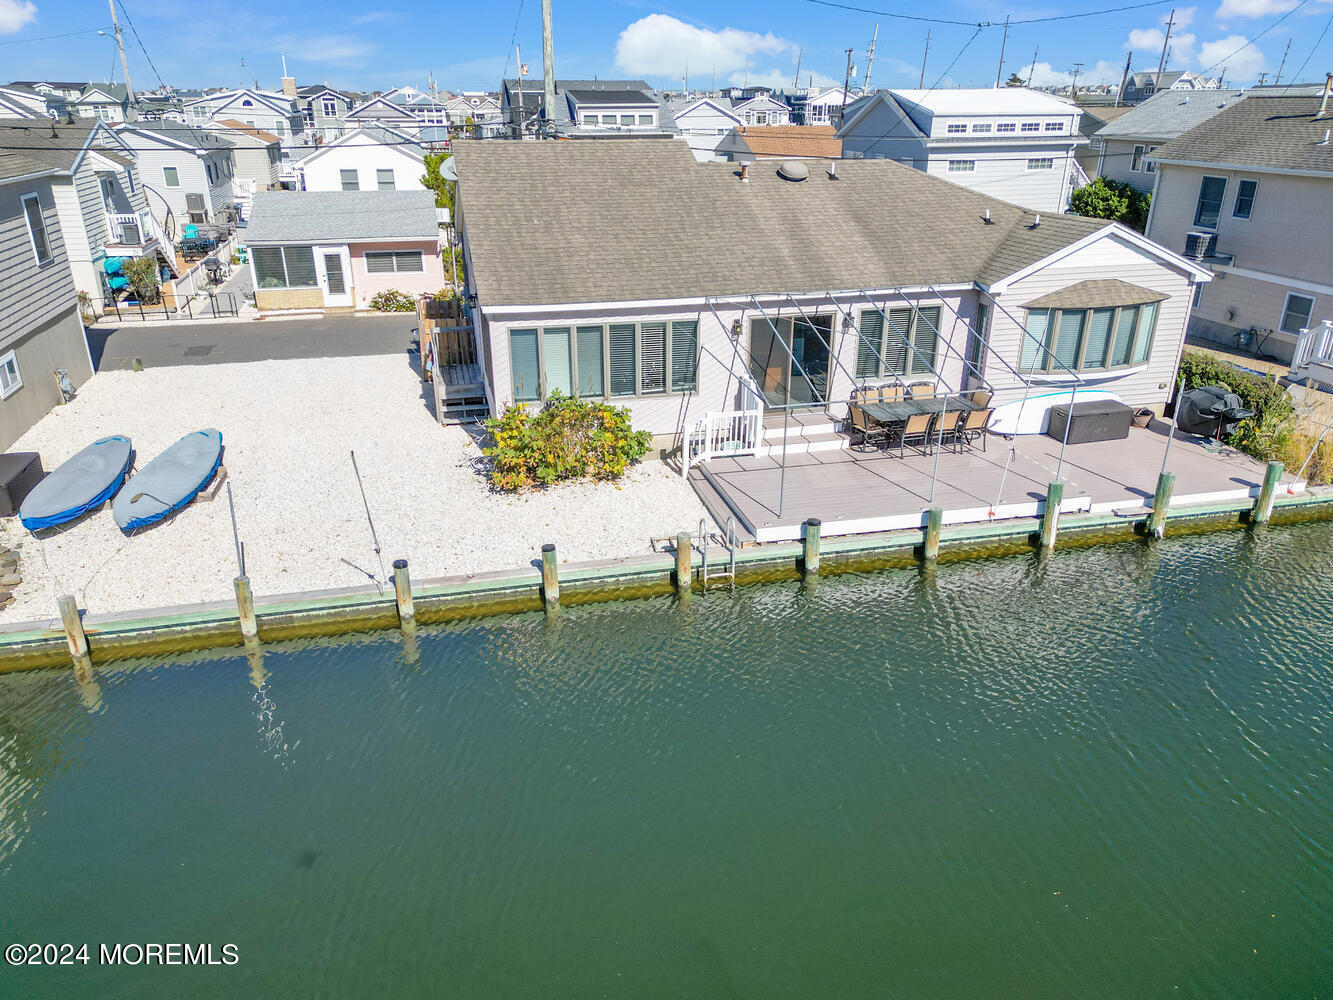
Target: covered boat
x: 170, y: 481
x: 82, y: 483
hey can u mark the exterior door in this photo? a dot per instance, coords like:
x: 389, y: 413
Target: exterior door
x: 333, y: 267
x: 791, y: 364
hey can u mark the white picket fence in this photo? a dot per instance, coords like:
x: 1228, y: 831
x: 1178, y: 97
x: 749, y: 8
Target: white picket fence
x: 729, y: 433
x: 1314, y: 345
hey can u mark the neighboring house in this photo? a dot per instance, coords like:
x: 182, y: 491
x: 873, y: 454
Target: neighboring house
x: 1250, y: 192
x: 819, y: 105
x: 99, y: 198
x: 54, y: 97
x: 338, y: 249
x: 323, y: 112
x: 779, y: 142
x: 267, y: 110
x: 379, y: 111
x: 1141, y: 86
x: 606, y: 109
x: 479, y: 111
x: 161, y: 108
x: 1095, y: 118
x: 40, y: 329
x: 368, y: 158
x: 596, y: 310
x: 1010, y: 143
x: 703, y: 123
x: 256, y: 154
x: 762, y: 109
x: 107, y: 101
x: 588, y: 109
x: 1128, y: 142
x: 21, y: 102
x: 188, y: 172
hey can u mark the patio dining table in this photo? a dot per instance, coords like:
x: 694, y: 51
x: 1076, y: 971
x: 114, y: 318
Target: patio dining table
x: 897, y: 411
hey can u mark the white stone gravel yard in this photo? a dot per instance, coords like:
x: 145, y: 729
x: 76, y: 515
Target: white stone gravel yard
x: 288, y: 428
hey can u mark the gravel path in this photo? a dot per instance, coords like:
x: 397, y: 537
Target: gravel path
x: 288, y: 427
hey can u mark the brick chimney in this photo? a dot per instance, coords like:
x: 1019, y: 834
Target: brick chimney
x: 288, y: 86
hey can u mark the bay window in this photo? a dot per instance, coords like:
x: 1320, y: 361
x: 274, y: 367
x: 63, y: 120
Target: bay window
x: 598, y: 362
x: 1082, y: 340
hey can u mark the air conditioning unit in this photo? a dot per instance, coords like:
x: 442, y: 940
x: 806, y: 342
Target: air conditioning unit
x: 1200, y: 245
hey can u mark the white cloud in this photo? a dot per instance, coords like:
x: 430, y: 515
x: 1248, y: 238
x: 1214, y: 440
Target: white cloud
x: 659, y: 45
x: 336, y: 50
x: 780, y: 78
x: 1045, y: 75
x: 1254, y: 8
x: 1150, y: 40
x: 14, y: 14
x: 1241, y: 67
x: 1184, y: 17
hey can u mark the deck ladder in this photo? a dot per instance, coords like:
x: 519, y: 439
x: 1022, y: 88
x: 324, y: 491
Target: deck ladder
x: 725, y: 571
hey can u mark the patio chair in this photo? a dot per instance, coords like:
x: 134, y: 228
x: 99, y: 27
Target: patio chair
x: 892, y: 392
x: 948, y: 429
x: 868, y: 431
x: 916, y: 390
x: 859, y: 395
x: 981, y: 398
x: 919, y: 427
x: 974, y: 425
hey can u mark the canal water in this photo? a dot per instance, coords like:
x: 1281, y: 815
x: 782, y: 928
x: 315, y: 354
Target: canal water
x: 1108, y: 774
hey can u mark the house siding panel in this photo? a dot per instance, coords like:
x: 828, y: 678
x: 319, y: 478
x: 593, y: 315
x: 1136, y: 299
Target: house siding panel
x: 59, y: 342
x: 31, y: 293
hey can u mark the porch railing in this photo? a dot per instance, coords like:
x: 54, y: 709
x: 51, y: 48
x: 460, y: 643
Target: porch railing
x: 134, y: 229
x: 1313, y: 345
x: 728, y: 433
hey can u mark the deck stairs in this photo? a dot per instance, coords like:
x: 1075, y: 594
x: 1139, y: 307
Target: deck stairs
x: 804, y: 432
x: 1313, y: 356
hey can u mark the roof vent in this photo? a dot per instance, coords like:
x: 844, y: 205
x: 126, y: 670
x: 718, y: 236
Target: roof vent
x: 793, y: 170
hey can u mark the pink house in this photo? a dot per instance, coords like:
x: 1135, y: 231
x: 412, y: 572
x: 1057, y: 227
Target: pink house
x: 339, y: 249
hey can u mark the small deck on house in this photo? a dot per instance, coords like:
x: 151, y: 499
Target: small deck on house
x: 854, y: 492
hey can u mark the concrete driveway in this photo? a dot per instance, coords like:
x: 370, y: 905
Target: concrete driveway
x: 206, y: 342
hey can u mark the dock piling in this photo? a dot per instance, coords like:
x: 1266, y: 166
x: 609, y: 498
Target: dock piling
x: 1263, y: 506
x: 74, y: 634
x: 930, y: 550
x: 402, y: 591
x: 810, y: 546
x: 684, y: 574
x: 550, y: 578
x: 1050, y: 516
x: 1161, y: 502
x: 245, y: 609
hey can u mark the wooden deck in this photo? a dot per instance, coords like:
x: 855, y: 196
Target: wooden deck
x: 854, y: 492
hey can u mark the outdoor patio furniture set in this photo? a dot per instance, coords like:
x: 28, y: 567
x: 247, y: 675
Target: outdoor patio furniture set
x: 913, y: 415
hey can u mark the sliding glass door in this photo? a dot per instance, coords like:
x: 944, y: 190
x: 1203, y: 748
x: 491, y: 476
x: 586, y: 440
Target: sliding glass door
x: 789, y: 360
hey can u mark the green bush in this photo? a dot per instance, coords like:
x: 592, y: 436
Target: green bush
x: 1107, y: 199
x: 567, y: 439
x: 393, y: 301
x: 142, y: 276
x: 1268, y: 434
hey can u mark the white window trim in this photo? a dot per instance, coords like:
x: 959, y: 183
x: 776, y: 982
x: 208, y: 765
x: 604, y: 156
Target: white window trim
x: 1253, y: 201
x: 5, y: 359
x: 1049, y: 162
x: 32, y: 237
x: 167, y: 183
x: 1283, y: 315
x: 961, y: 167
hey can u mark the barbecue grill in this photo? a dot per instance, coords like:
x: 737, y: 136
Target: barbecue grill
x: 1213, y: 410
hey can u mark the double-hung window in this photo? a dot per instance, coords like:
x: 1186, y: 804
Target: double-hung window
x: 1054, y: 126
x: 1136, y: 159
x: 981, y: 127
x: 597, y: 362
x: 1209, y: 207
x: 1296, y: 313
x: 10, y: 378
x: 349, y: 180
x: 171, y: 177
x: 1042, y: 163
x: 900, y: 341
x: 384, y: 179
x: 1245, y: 192
x: 390, y: 261
x: 1058, y: 341
x: 284, y: 267
x: 41, y: 244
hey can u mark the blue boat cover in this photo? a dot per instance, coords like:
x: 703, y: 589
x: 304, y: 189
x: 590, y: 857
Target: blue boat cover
x: 170, y: 481
x: 82, y: 483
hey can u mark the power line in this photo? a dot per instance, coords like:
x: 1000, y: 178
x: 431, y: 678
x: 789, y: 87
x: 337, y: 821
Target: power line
x: 954, y: 61
x: 66, y: 34
x: 512, y: 39
x: 135, y: 32
x: 1257, y: 37
x: 990, y: 24
x: 1311, y: 53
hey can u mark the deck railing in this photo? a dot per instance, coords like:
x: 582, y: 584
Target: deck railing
x: 144, y: 227
x: 729, y: 433
x: 1313, y: 346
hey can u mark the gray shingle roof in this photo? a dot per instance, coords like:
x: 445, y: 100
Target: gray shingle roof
x: 197, y: 137
x: 1170, y: 113
x: 1099, y: 293
x: 561, y: 222
x: 611, y: 97
x: 1276, y: 133
x: 339, y: 216
x: 43, y: 144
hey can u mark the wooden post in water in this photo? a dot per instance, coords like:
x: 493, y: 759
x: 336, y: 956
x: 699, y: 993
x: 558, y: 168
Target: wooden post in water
x: 930, y: 550
x: 684, y: 574
x: 550, y: 578
x: 402, y: 591
x: 1050, y: 517
x: 1263, y: 507
x: 1161, y: 501
x: 810, y: 552
x: 245, y: 608
x: 74, y: 634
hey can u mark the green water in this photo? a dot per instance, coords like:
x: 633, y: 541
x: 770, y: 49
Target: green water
x: 1105, y: 776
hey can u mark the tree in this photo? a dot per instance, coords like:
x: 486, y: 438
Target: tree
x: 1106, y: 199
x: 444, y: 189
x: 1014, y: 81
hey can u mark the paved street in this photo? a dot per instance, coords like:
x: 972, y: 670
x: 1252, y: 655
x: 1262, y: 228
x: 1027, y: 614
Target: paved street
x: 209, y: 343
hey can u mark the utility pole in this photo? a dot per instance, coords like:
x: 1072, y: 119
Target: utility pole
x: 1033, y: 68
x: 870, y: 59
x: 1003, y: 42
x: 522, y: 72
x: 548, y: 67
x: 1278, y: 79
x: 1073, y: 85
x: 796, y: 80
x: 1124, y: 81
x: 1223, y: 75
x: 1161, y: 65
x: 1262, y: 78
x: 124, y: 63
x: 924, y: 55
x: 847, y: 79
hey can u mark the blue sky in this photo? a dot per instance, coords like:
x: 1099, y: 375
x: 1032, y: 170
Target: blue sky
x: 468, y: 46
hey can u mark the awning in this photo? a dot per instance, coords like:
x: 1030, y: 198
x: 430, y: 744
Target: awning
x: 1102, y: 293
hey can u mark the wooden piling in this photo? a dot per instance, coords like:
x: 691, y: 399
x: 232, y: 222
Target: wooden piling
x: 810, y: 546
x: 245, y: 609
x: 930, y: 550
x: 74, y: 634
x: 402, y: 592
x: 1050, y: 517
x: 1263, y: 506
x: 684, y: 574
x: 550, y: 578
x: 1161, y: 503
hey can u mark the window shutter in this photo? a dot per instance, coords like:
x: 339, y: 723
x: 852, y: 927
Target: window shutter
x: 300, y: 266
x: 1034, y: 357
x: 925, y: 339
x: 684, y: 354
x: 1124, y: 336
x: 624, y: 378
x: 591, y: 382
x: 869, y: 344
x: 523, y: 364
x: 1143, y: 343
x: 559, y: 363
x: 653, y: 376
x: 896, y: 351
x: 1099, y: 337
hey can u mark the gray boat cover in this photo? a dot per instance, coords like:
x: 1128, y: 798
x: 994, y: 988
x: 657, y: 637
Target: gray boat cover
x: 170, y: 481
x: 84, y: 481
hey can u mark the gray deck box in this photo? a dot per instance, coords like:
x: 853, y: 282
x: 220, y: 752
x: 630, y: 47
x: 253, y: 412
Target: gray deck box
x: 1093, y: 420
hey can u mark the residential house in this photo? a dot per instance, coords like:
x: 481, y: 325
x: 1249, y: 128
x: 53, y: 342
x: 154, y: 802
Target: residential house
x: 762, y: 109
x: 339, y: 249
x: 53, y: 97
x: 40, y: 328
x: 1249, y: 192
x: 323, y: 112
x: 779, y: 142
x: 818, y: 105
x: 1141, y: 86
x: 703, y: 123
x: 761, y: 271
x: 99, y: 198
x: 588, y: 109
x: 161, y: 108
x: 1010, y: 143
x: 107, y: 101
x: 368, y: 158
x: 1127, y: 143
x: 380, y: 111
x: 270, y: 111
x: 1095, y: 118
x: 475, y: 111
x: 21, y: 102
x: 187, y: 172
x: 256, y: 157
